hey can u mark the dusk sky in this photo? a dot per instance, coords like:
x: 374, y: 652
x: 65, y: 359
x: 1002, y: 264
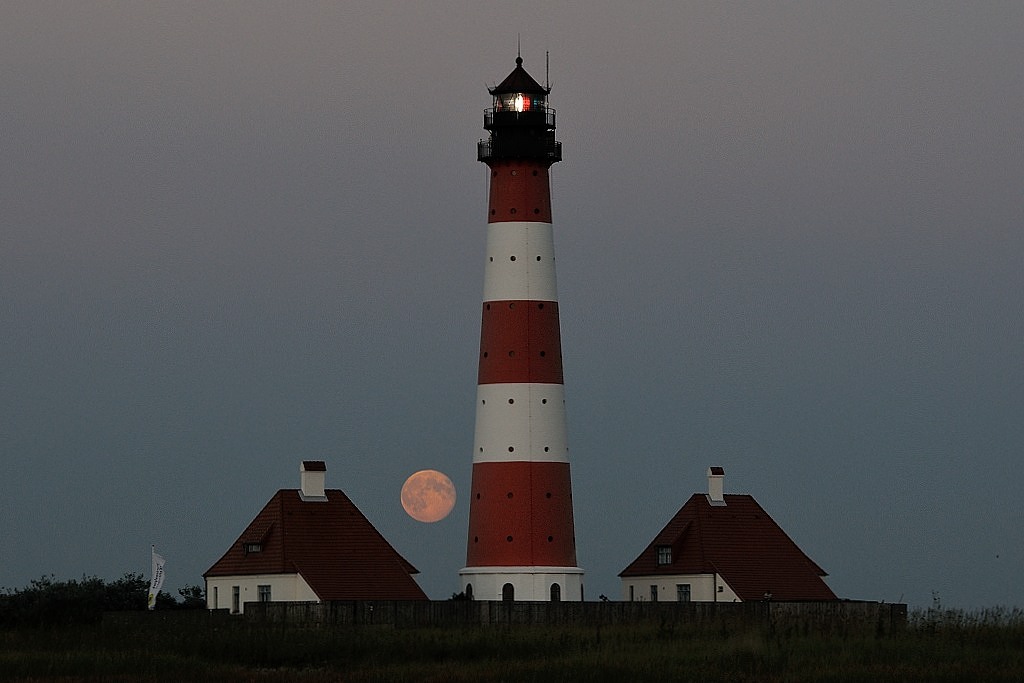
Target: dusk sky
x: 237, y: 235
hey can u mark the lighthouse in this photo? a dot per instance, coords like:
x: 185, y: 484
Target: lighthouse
x: 521, y: 543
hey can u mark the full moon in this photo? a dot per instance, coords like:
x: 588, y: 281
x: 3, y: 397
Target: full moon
x: 428, y: 496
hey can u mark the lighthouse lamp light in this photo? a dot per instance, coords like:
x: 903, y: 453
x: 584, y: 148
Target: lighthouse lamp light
x: 517, y: 102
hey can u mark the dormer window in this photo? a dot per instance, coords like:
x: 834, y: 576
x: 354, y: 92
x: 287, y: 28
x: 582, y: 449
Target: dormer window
x: 252, y: 548
x: 664, y: 554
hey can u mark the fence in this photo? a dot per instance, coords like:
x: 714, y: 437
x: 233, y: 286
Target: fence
x: 819, y: 617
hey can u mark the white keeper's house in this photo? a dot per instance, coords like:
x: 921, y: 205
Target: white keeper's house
x: 723, y: 548
x: 309, y: 544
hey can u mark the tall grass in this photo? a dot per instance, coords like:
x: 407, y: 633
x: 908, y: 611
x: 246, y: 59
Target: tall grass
x: 998, y: 620
x: 937, y: 645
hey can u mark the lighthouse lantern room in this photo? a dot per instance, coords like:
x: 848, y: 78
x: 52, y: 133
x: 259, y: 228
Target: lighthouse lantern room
x: 521, y: 543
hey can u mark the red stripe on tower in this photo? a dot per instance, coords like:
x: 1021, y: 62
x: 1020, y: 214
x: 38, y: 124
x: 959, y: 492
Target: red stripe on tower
x: 521, y: 541
x: 520, y: 342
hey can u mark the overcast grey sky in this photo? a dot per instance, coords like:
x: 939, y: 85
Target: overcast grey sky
x: 236, y: 235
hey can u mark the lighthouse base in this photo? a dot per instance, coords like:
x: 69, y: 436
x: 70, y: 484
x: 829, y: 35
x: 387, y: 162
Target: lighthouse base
x: 537, y: 584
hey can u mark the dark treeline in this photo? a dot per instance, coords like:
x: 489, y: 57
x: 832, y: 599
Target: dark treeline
x: 49, y: 601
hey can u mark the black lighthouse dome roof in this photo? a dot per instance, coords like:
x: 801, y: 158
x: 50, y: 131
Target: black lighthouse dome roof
x: 519, y: 82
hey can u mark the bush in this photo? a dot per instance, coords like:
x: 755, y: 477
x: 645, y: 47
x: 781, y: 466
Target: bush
x: 48, y: 602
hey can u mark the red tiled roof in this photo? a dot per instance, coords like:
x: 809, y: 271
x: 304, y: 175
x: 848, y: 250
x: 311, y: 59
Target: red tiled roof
x: 330, y: 543
x: 739, y: 541
x: 257, y: 531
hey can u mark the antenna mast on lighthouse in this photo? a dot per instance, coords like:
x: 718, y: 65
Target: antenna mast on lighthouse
x: 521, y: 543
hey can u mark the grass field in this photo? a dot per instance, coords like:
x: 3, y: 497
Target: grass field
x: 936, y: 646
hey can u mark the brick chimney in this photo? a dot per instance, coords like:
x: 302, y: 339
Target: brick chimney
x: 716, y: 483
x: 312, y: 475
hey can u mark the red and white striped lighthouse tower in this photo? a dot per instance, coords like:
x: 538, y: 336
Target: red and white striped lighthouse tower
x: 521, y: 543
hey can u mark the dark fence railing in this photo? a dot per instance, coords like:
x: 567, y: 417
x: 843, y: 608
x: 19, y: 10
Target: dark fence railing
x: 519, y: 148
x: 823, y: 617
x: 534, y: 117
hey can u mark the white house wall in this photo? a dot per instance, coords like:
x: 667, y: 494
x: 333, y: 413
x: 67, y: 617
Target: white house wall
x: 703, y: 588
x: 283, y: 588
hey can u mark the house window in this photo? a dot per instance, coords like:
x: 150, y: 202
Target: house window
x: 654, y: 593
x: 556, y: 592
x: 664, y: 554
x: 215, y: 605
x: 683, y: 592
x: 263, y: 592
x: 508, y: 592
x: 236, y: 600
x: 631, y: 596
x: 253, y: 548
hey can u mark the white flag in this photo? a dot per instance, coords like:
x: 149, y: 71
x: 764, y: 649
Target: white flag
x: 158, y: 578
